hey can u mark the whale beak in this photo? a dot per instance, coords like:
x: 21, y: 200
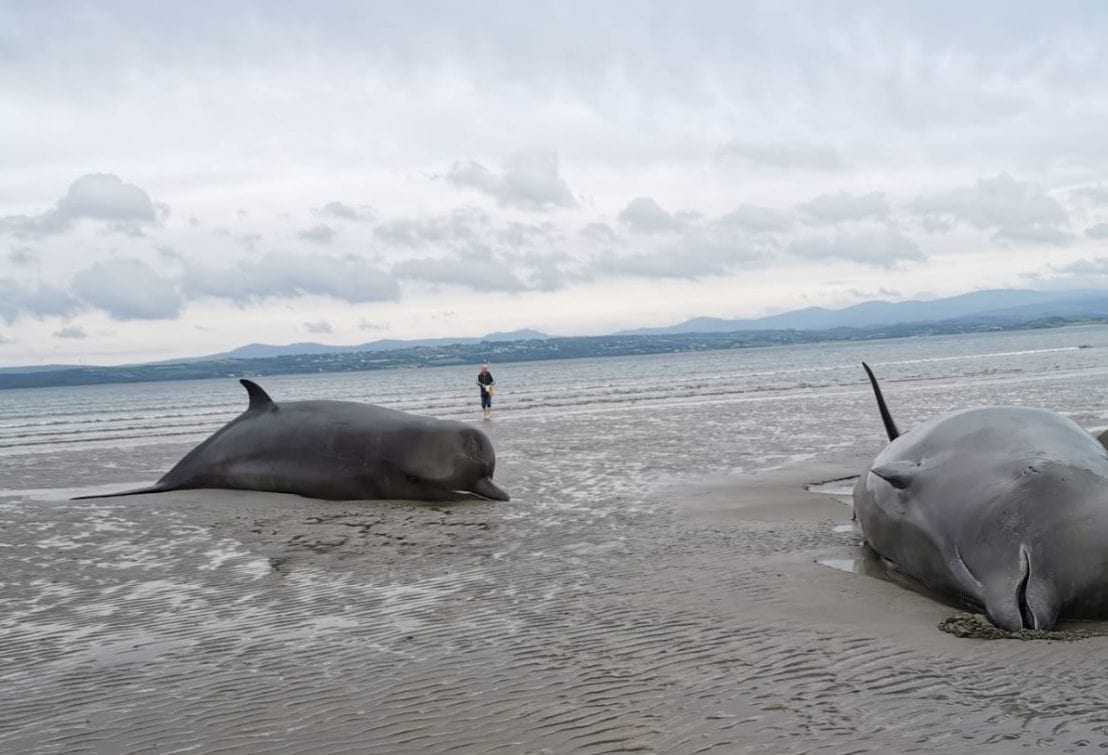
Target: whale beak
x: 486, y: 488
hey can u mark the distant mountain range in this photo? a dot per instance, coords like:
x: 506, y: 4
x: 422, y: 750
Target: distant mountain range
x: 1003, y: 306
x: 264, y: 351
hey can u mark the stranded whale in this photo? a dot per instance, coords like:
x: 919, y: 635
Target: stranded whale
x: 337, y: 450
x: 1006, y: 506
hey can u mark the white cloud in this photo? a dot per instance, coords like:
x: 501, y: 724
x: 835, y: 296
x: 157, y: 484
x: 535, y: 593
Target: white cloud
x: 41, y: 300
x: 882, y: 248
x: 1098, y: 231
x: 1013, y: 210
x: 842, y: 207
x: 529, y: 180
x: 782, y: 155
x: 319, y: 234
x: 340, y: 211
x: 757, y: 219
x: 319, y: 326
x: 128, y: 289
x: 643, y: 215
x: 289, y: 274
x: 72, y: 332
x: 96, y: 196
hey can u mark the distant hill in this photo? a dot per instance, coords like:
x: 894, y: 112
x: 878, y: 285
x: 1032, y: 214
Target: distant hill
x: 1003, y: 304
x: 266, y: 351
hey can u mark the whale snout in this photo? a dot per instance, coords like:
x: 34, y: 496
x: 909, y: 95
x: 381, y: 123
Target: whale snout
x: 486, y: 488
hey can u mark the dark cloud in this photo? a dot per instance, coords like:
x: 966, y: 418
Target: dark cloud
x: 529, y: 180
x: 644, y: 215
x: 341, y: 211
x: 1013, y: 210
x: 757, y: 219
x: 71, y: 331
x: 364, y: 324
x: 882, y: 248
x: 319, y: 326
x: 782, y: 155
x: 98, y: 196
x: 1098, y: 231
x: 280, y: 274
x: 17, y: 299
x: 843, y: 207
x: 319, y: 234
x: 128, y: 289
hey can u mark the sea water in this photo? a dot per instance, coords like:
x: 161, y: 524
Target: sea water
x: 747, y: 403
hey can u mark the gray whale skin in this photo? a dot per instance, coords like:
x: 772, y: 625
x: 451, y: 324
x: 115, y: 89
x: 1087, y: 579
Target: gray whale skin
x: 1004, y: 506
x: 337, y: 450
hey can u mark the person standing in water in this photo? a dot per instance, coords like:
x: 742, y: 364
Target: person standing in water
x: 485, y: 383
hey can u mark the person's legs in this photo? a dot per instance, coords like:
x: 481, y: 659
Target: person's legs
x: 486, y: 403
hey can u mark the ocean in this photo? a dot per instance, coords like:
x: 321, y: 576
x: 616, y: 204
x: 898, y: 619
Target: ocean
x: 745, y: 401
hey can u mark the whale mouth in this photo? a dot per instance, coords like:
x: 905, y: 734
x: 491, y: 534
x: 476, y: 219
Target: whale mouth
x: 486, y: 488
x: 1027, y: 616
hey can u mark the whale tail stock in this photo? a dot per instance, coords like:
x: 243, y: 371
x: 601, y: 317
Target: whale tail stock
x: 890, y: 426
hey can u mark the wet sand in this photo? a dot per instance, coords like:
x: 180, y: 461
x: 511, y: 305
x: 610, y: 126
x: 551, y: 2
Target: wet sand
x: 684, y: 616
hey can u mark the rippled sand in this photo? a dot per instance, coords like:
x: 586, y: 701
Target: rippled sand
x: 623, y: 601
x: 224, y: 621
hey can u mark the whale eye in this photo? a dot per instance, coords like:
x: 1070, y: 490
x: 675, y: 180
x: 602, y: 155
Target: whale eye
x: 899, y: 474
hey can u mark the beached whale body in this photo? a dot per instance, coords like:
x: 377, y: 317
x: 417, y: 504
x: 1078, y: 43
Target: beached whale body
x: 338, y: 450
x: 1005, y: 506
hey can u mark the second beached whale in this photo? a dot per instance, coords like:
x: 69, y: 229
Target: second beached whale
x: 1006, y: 506
x: 338, y: 450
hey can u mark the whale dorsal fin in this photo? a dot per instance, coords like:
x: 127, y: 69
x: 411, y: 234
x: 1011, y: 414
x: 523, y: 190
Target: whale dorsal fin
x: 259, y: 399
x: 890, y: 426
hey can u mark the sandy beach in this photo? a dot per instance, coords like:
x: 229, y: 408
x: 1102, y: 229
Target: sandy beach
x: 658, y: 583
x: 222, y: 621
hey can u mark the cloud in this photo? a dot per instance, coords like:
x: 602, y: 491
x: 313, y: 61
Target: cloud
x: 481, y: 272
x: 782, y: 155
x: 462, y: 225
x: 320, y: 234
x: 883, y: 248
x: 280, y: 274
x: 644, y: 215
x: 1013, y: 210
x: 757, y: 219
x: 599, y: 232
x: 843, y: 207
x: 1092, y: 194
x: 41, y: 301
x: 529, y: 180
x: 23, y: 255
x: 319, y: 326
x: 364, y: 324
x: 128, y: 289
x: 1098, y: 231
x: 341, y: 211
x: 699, y: 253
x: 97, y: 196
x: 71, y: 331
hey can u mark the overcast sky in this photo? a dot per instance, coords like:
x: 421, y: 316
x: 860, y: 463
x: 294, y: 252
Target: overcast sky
x: 180, y: 179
